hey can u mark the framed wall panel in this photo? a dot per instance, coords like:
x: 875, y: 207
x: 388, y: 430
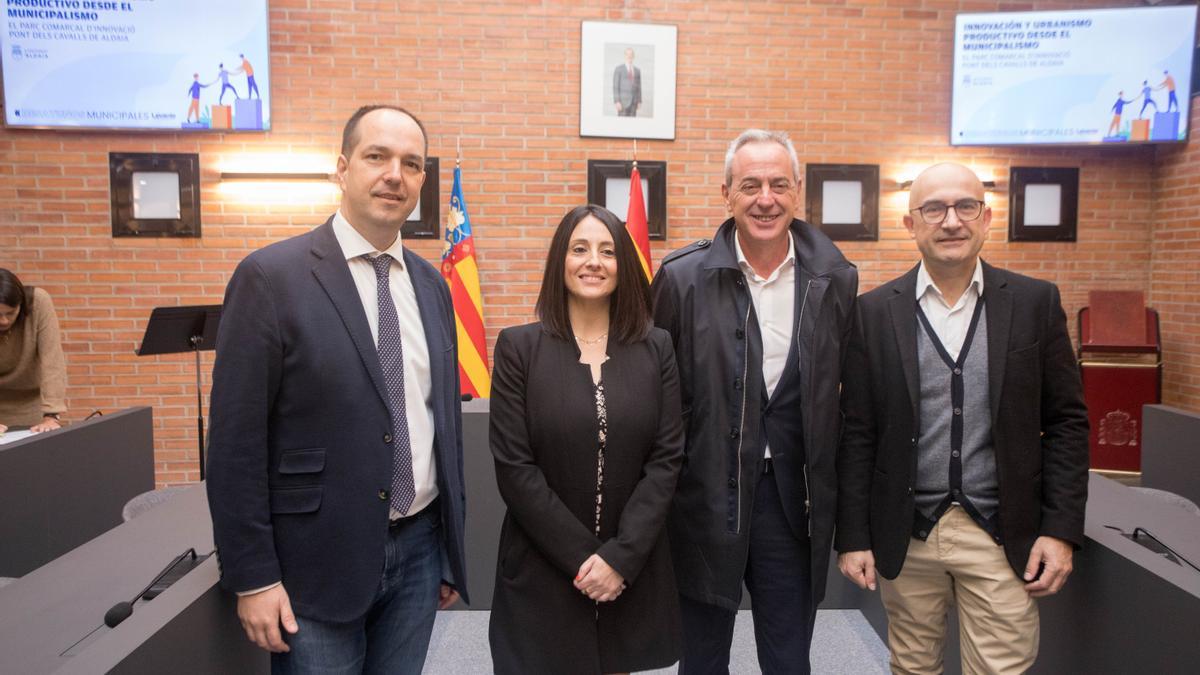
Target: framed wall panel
x: 1043, y: 203
x: 425, y: 219
x: 154, y: 194
x: 842, y: 200
x: 608, y: 186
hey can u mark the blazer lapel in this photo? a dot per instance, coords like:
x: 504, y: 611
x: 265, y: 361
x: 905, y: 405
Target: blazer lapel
x: 902, y: 307
x: 998, y: 307
x: 333, y: 274
x: 429, y: 291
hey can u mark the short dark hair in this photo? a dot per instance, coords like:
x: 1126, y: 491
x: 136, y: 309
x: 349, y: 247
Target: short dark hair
x: 13, y: 294
x: 350, y: 131
x: 628, y: 309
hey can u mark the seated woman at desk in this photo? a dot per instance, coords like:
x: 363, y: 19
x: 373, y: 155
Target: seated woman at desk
x: 33, y: 374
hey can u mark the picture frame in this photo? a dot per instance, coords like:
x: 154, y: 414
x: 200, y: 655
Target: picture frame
x: 842, y: 200
x: 425, y: 220
x: 627, y: 68
x: 154, y: 194
x: 608, y: 186
x: 1043, y: 203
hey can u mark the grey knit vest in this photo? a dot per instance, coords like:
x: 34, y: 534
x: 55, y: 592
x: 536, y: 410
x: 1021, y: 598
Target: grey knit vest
x: 935, y: 451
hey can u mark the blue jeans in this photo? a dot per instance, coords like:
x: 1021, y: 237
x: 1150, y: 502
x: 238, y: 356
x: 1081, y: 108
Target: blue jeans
x: 393, y: 636
x: 778, y: 576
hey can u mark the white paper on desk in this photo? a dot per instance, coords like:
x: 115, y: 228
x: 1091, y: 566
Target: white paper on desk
x: 10, y: 436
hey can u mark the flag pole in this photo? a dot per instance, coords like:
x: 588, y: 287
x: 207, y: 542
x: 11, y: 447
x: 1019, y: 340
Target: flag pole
x: 635, y: 219
x: 457, y: 152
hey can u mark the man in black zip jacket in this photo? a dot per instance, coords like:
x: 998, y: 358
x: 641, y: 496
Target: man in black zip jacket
x: 759, y: 317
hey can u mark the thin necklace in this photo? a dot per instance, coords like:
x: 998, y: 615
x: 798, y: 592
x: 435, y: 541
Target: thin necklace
x: 591, y: 342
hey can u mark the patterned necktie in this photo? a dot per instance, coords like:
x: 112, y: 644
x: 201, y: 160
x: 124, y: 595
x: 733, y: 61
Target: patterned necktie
x: 391, y: 358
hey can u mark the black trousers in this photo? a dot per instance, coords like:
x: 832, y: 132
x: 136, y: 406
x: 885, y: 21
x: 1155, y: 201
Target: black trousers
x: 778, y: 576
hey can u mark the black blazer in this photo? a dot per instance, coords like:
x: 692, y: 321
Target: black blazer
x: 1039, y: 421
x: 298, y: 458
x: 544, y: 439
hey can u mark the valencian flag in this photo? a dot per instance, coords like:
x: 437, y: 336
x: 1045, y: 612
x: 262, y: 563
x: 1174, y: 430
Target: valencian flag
x: 460, y: 271
x: 635, y: 222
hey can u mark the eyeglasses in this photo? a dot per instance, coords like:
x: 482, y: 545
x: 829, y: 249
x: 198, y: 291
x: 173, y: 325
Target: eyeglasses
x: 934, y: 213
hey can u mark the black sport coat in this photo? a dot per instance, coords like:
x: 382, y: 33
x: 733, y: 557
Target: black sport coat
x: 1039, y: 421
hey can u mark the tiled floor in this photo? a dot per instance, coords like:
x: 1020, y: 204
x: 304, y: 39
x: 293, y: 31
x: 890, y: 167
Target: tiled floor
x: 843, y: 642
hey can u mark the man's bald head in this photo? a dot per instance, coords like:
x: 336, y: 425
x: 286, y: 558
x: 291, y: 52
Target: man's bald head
x: 941, y: 175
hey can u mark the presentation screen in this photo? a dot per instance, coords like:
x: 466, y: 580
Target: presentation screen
x: 1073, y: 77
x: 136, y: 64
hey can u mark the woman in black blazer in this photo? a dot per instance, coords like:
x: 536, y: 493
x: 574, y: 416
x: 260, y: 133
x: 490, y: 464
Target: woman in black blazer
x: 588, y: 440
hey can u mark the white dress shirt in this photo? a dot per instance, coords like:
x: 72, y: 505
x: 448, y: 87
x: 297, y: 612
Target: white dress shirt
x: 950, y: 324
x: 774, y: 300
x: 418, y: 385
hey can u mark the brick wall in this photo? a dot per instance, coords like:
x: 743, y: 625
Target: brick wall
x: 1175, y: 269
x: 863, y: 82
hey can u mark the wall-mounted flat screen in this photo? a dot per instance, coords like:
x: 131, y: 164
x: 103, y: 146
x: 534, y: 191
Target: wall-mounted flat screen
x: 1073, y: 77
x: 136, y: 64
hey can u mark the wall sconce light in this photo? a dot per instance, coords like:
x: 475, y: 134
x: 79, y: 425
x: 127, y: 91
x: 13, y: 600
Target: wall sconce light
x: 274, y: 175
x: 987, y: 185
x: 421, y: 224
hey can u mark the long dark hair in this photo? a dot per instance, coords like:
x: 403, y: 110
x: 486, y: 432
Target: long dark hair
x: 13, y: 294
x: 629, y: 318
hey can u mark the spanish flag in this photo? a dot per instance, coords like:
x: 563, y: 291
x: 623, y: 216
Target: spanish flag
x: 460, y: 271
x: 635, y: 222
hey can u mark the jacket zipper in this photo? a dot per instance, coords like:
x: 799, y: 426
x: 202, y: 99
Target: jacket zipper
x: 742, y: 420
x: 799, y: 359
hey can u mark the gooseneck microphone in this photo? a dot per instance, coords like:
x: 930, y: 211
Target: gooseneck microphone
x: 122, y: 610
x: 118, y: 613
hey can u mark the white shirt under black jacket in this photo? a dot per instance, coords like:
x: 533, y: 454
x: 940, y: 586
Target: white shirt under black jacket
x: 774, y: 299
x: 950, y: 324
x: 418, y: 385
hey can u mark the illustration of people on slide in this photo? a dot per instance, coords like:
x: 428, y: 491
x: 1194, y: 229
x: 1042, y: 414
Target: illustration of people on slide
x: 194, y: 91
x: 1168, y: 83
x: 252, y: 87
x: 1117, y: 109
x: 223, y: 75
x: 1147, y: 101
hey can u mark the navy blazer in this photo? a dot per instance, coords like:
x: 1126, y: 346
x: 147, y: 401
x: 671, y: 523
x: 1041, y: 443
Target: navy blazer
x: 300, y: 458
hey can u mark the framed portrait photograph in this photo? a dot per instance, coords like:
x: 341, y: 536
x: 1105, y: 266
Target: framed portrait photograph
x: 627, y: 80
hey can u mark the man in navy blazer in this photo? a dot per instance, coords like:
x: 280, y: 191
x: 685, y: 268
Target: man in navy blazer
x: 308, y: 437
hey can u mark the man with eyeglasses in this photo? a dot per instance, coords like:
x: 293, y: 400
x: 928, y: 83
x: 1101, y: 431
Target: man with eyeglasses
x: 962, y: 472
